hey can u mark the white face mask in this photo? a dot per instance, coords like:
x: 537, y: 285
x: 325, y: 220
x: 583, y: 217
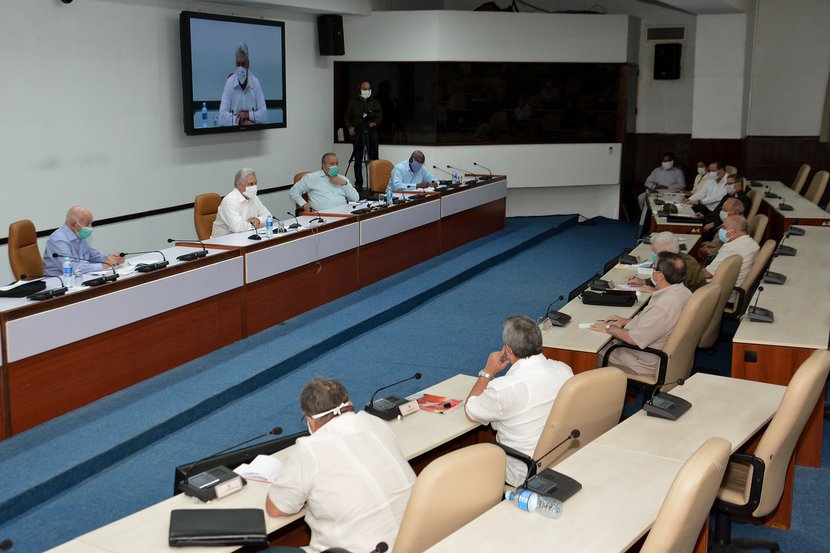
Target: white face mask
x: 308, y: 425
x: 701, y: 170
x: 250, y: 192
x: 365, y: 93
x: 723, y: 215
x: 730, y: 188
x: 241, y: 74
x: 713, y: 174
x: 667, y: 165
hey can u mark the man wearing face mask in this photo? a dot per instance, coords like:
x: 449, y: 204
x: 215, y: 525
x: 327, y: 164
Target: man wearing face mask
x: 735, y: 241
x: 734, y: 190
x: 350, y: 474
x: 362, y: 117
x: 712, y: 191
x: 411, y: 174
x: 240, y: 210
x: 666, y: 241
x: 71, y: 240
x: 665, y: 177
x: 243, y: 102
x: 325, y: 188
x: 709, y: 242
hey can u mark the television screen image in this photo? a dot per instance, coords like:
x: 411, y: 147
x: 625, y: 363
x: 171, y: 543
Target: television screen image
x: 233, y: 73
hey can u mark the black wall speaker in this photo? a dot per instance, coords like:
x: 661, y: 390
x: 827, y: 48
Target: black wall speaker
x: 330, y: 35
x: 667, y: 61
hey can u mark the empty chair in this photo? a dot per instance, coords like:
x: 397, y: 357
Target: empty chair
x: 757, y: 226
x: 754, y: 483
x: 762, y: 260
x: 726, y: 276
x: 817, y: 186
x: 756, y: 196
x: 689, y: 500
x: 801, y: 178
x: 678, y: 354
x: 205, y: 208
x: 450, y: 492
x: 380, y: 171
x: 24, y: 254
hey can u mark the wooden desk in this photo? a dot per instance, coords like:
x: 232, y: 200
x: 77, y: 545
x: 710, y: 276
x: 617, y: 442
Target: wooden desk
x: 472, y: 211
x: 804, y: 213
x: 625, y: 475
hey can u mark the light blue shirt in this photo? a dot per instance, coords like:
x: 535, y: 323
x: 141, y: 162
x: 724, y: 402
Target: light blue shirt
x: 64, y: 242
x: 321, y: 193
x: 404, y: 179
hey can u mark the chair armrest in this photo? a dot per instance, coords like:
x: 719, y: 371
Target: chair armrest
x: 755, y: 486
x: 662, y: 355
x: 740, y: 305
x: 531, y: 466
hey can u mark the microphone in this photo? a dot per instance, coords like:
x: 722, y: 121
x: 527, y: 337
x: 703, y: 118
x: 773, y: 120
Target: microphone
x: 768, y: 194
x: 795, y: 231
x: 319, y: 218
x: 97, y: 281
x: 273, y: 432
x: 381, y: 547
x: 361, y: 210
x: 387, y: 408
x: 464, y: 171
x: 485, y: 168
x: 444, y: 183
x: 255, y: 235
x: 666, y: 406
x: 760, y: 314
x: 574, y: 434
x: 148, y: 267
x: 48, y: 294
x: 557, y: 318
x: 549, y: 482
x: 296, y: 223
x: 192, y: 256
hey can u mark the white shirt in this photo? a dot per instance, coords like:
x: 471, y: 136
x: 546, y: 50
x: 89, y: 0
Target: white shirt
x: 711, y: 193
x: 234, y: 100
x: 744, y: 246
x: 322, y: 194
x: 234, y: 214
x: 353, y: 479
x: 518, y: 404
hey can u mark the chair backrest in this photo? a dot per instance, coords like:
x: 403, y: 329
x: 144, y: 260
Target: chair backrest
x: 731, y: 170
x: 801, y: 178
x: 24, y: 254
x: 450, y: 492
x: 298, y: 176
x: 756, y: 196
x: 757, y: 227
x: 817, y: 187
x: 726, y: 276
x: 778, y: 442
x: 685, y: 337
x: 761, y: 262
x: 689, y: 499
x: 205, y: 208
x: 590, y: 402
x: 380, y: 171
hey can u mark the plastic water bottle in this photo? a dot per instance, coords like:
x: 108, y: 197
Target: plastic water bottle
x: 204, y: 115
x: 532, y: 502
x: 389, y: 200
x: 269, y: 226
x: 68, y: 273
x: 455, y: 177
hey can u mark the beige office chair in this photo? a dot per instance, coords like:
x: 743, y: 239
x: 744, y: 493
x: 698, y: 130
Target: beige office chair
x: 731, y: 170
x: 687, y: 504
x: 24, y: 254
x: 817, y: 186
x: 756, y: 196
x: 754, y: 483
x: 757, y: 226
x: 726, y: 276
x: 801, y: 178
x: 735, y: 309
x: 590, y: 402
x: 678, y: 354
x: 380, y: 172
x: 205, y: 208
x: 450, y: 492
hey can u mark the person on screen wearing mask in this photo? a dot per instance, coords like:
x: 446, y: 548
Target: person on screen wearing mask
x: 735, y: 241
x: 712, y: 191
x: 243, y: 102
x: 325, y: 188
x: 666, y: 241
x: 411, y: 174
x: 71, y: 240
x: 709, y: 242
x: 240, y: 210
x: 349, y: 474
x: 362, y: 117
x: 665, y: 177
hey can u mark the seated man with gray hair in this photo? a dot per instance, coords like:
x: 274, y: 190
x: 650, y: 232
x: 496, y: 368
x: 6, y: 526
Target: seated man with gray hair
x: 240, y: 210
x: 349, y: 473
x: 709, y: 241
x: 735, y: 240
x: 71, y: 240
x: 518, y: 403
x: 243, y: 102
x: 325, y: 188
x: 666, y: 241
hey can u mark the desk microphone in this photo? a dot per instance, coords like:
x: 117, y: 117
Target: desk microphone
x: 387, y: 408
x: 48, y: 294
x: 296, y: 223
x: 468, y: 172
x: 149, y: 267
x: 443, y: 184
x: 319, y: 218
x: 666, y: 406
x: 192, y: 256
x: 485, y: 168
x: 760, y: 314
x: 255, y: 235
x: 273, y: 432
x: 557, y: 318
x: 768, y: 194
x: 549, y: 482
x: 794, y: 230
x: 97, y: 281
x: 381, y: 547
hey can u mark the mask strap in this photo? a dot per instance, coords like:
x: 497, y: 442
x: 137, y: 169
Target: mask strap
x: 337, y: 411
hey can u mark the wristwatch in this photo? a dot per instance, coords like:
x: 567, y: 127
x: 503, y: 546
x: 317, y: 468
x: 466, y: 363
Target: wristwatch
x: 483, y: 374
x: 608, y: 326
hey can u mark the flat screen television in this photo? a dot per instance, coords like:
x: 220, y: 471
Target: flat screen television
x: 233, y: 73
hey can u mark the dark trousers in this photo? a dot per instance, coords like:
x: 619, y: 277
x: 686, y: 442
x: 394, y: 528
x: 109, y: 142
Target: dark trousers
x: 372, y: 143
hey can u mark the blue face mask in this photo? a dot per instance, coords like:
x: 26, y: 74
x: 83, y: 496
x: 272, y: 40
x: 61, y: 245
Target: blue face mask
x: 653, y: 257
x: 415, y: 166
x: 334, y: 170
x: 722, y: 236
x: 85, y: 233
x: 241, y: 74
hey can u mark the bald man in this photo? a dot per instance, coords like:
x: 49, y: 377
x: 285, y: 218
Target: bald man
x: 72, y: 240
x: 735, y: 240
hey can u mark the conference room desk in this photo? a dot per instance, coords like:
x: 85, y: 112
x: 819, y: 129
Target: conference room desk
x: 804, y: 212
x: 660, y: 223
x: 472, y: 211
x: 772, y: 352
x: 66, y: 352
x: 578, y: 347
x: 295, y: 271
x: 625, y: 474
x: 418, y: 435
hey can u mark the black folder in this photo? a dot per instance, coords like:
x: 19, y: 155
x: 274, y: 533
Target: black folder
x: 217, y: 527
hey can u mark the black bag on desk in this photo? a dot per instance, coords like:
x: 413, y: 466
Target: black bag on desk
x: 217, y: 527
x: 24, y: 290
x: 610, y: 299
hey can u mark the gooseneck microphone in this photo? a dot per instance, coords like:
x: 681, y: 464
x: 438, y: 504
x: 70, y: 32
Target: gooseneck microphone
x: 296, y: 223
x: 381, y: 547
x: 273, y: 432
x: 549, y: 482
x: 387, y: 408
x: 255, y: 235
x: 48, y: 294
x: 97, y: 281
x: 759, y: 314
x: 442, y: 170
x: 467, y: 171
x: 319, y: 218
x: 679, y: 382
x: 192, y: 256
x: 574, y: 434
x: 557, y: 318
x: 485, y: 168
x: 149, y: 267
x: 666, y: 406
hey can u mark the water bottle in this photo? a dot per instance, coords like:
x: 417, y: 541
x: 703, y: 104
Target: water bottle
x: 204, y: 115
x: 68, y: 273
x: 455, y: 177
x: 532, y: 502
x: 269, y: 226
x: 389, y: 200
